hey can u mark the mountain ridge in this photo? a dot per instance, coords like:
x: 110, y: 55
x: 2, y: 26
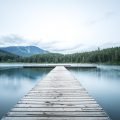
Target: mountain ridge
x: 24, y: 51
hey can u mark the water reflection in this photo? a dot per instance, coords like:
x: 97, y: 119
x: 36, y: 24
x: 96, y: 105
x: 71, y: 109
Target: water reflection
x: 103, y: 84
x: 15, y: 83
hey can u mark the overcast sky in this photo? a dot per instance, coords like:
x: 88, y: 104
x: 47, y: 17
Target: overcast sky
x: 60, y: 25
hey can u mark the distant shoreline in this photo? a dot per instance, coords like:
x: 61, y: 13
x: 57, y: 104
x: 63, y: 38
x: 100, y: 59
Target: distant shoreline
x: 110, y: 56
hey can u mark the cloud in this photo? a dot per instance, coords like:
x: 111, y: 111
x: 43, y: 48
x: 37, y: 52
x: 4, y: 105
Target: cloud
x: 68, y: 48
x: 13, y: 40
x: 110, y: 44
x: 53, y: 46
x: 45, y: 45
x: 106, y: 16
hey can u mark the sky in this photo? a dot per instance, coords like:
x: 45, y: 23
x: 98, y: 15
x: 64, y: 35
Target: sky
x: 60, y: 25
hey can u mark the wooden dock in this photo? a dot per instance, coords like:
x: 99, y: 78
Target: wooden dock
x: 54, y: 65
x: 59, y: 96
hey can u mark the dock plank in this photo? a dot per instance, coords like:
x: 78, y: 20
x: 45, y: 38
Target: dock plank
x: 55, y: 118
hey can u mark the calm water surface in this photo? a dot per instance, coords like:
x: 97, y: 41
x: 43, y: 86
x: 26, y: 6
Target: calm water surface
x: 103, y: 84
x: 15, y: 83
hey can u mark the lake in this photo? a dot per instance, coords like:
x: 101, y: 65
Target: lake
x: 103, y: 83
x: 15, y: 83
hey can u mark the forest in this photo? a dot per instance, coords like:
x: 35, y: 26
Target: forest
x: 107, y: 56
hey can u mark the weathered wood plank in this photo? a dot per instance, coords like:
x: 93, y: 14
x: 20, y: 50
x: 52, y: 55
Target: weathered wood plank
x: 57, y: 102
x: 58, y: 95
x: 46, y: 109
x: 53, y: 100
x: 52, y: 97
x: 56, y: 118
x: 58, y: 114
x: 84, y: 108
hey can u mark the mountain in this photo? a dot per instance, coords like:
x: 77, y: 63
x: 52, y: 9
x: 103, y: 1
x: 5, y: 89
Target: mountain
x: 24, y: 51
x: 6, y: 56
x: 4, y: 53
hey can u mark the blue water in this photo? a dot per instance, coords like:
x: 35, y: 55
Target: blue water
x: 15, y: 83
x: 103, y: 84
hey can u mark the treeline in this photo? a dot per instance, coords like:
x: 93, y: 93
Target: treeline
x: 109, y: 55
x: 8, y: 57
